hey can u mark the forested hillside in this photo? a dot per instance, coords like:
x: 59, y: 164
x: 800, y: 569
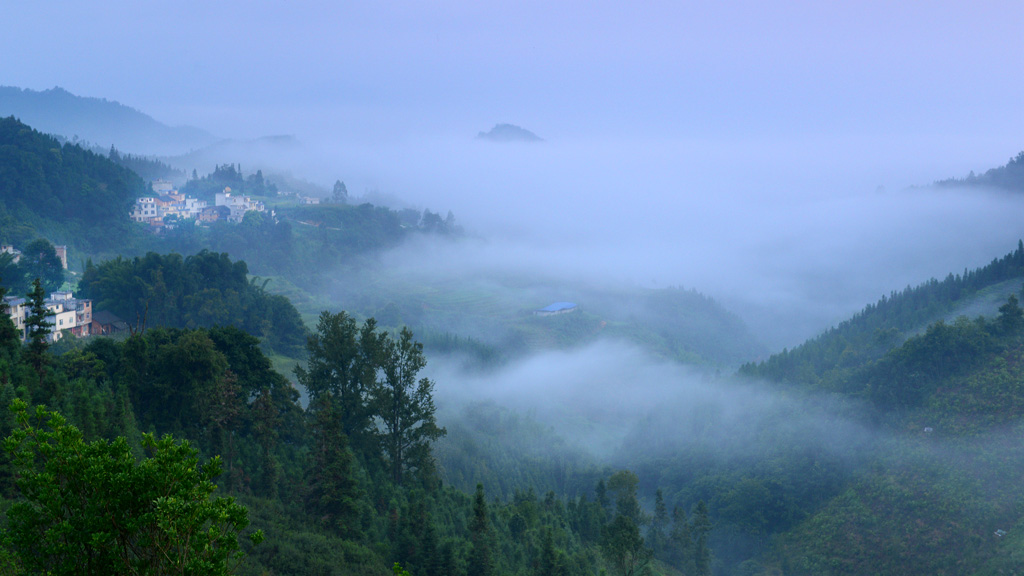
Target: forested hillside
x: 829, y: 360
x: 1007, y: 177
x: 62, y: 192
x: 490, y: 318
x: 940, y: 485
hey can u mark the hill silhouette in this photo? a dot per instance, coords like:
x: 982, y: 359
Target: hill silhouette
x: 98, y: 121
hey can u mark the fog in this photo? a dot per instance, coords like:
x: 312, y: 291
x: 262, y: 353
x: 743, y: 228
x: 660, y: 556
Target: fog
x: 792, y: 240
x: 602, y: 396
x: 795, y: 236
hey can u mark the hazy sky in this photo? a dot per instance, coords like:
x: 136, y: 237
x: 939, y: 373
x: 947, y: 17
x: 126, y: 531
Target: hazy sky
x: 757, y: 69
x: 734, y: 147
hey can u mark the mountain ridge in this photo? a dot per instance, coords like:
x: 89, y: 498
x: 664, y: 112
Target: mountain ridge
x: 99, y: 121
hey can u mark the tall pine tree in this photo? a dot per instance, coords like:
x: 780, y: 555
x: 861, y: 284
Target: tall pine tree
x: 333, y: 492
x: 481, y: 562
x: 38, y: 329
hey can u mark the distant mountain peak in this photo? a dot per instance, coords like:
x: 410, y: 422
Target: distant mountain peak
x: 509, y: 133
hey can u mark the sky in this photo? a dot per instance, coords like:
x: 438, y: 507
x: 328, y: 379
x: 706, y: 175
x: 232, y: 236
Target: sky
x: 756, y: 69
x: 756, y: 151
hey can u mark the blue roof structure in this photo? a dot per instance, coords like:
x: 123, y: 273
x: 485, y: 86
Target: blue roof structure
x: 558, y: 307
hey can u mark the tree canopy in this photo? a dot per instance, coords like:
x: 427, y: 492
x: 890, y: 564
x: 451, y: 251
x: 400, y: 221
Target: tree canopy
x: 91, y: 508
x: 206, y: 289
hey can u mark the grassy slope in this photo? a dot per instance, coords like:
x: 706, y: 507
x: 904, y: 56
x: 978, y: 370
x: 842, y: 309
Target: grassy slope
x: 676, y: 324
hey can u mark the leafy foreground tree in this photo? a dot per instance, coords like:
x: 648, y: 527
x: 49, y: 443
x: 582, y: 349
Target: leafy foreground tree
x: 91, y: 508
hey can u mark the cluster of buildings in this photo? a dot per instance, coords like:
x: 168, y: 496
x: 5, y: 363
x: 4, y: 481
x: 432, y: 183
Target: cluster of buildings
x: 168, y: 202
x: 70, y: 314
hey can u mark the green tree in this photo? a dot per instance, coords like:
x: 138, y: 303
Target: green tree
x: 38, y: 328
x: 13, y: 274
x: 679, y: 548
x: 91, y: 508
x: 550, y: 562
x: 623, y: 547
x: 333, y: 492
x: 1011, y: 316
x: 39, y: 260
x: 10, y: 340
x: 699, y: 530
x: 624, y: 485
x: 342, y: 366
x: 656, y: 533
x: 621, y: 543
x: 340, y: 193
x: 405, y: 407
x: 601, y: 492
x: 265, y: 423
x: 221, y: 408
x: 481, y: 562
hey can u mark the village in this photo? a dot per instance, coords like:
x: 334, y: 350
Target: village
x: 167, y: 207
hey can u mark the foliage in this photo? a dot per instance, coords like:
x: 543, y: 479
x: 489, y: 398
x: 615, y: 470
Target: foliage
x: 624, y: 549
x: 510, y: 453
x: 481, y: 562
x: 339, y: 195
x: 39, y: 260
x: 38, y: 328
x: 368, y: 380
x: 405, y: 407
x: 327, y: 506
x: 332, y: 489
x: 206, y: 289
x: 90, y: 508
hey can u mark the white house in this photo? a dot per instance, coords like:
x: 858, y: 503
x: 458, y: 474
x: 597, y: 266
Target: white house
x: 145, y: 209
x: 69, y: 313
x: 238, y: 205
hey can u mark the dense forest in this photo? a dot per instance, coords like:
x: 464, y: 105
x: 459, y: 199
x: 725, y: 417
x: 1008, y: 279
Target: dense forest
x: 350, y: 481
x: 202, y: 290
x: 829, y: 359
x: 347, y: 484
x: 149, y: 169
x: 62, y: 192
